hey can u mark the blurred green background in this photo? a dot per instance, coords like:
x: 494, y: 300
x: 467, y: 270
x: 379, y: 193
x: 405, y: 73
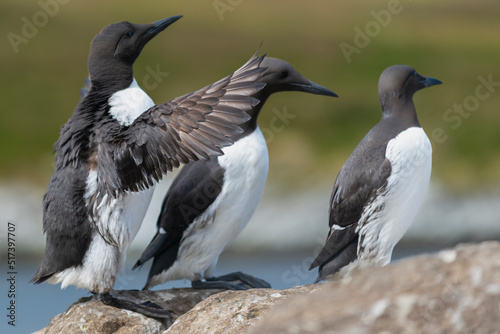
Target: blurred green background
x: 454, y: 41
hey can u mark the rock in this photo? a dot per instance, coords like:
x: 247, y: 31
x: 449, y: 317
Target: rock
x: 232, y: 311
x: 90, y: 316
x: 454, y: 291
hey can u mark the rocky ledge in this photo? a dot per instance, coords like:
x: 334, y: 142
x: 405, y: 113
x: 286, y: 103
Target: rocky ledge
x: 454, y: 291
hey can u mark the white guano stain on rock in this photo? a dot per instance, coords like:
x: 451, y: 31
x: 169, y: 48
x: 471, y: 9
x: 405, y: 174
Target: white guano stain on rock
x: 375, y: 311
x: 448, y: 256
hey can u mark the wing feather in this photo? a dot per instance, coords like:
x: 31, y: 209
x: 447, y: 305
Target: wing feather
x: 358, y: 181
x: 195, y: 126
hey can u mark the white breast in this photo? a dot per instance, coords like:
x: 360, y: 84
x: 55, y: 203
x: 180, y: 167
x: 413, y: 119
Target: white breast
x: 246, y: 164
x: 128, y: 104
x: 386, y: 220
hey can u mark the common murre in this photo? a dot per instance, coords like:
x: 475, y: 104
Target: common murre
x: 114, y: 149
x: 210, y: 202
x: 379, y: 189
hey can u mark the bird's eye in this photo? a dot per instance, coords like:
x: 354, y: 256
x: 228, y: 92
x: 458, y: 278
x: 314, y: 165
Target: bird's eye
x: 129, y: 34
x: 283, y: 74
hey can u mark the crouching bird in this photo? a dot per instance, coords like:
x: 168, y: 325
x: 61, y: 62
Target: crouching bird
x: 114, y: 149
x: 379, y: 189
x: 210, y: 202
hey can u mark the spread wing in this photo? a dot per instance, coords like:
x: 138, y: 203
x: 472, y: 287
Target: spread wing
x: 191, y: 127
x: 359, y: 179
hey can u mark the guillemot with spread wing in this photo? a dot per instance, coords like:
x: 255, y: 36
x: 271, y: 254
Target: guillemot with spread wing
x: 113, y: 150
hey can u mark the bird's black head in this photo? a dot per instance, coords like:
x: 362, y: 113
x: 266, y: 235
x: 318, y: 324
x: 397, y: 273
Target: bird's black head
x: 280, y: 76
x: 114, y: 50
x: 398, y: 83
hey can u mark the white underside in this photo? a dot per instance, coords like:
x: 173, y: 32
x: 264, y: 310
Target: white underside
x: 246, y: 164
x: 117, y: 220
x: 385, y: 221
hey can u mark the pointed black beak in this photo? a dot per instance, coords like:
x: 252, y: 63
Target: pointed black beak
x: 428, y: 81
x: 159, y: 26
x: 148, y: 31
x: 313, y: 88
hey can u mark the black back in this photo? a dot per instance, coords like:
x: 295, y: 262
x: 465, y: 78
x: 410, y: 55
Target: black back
x: 362, y: 177
x: 65, y: 217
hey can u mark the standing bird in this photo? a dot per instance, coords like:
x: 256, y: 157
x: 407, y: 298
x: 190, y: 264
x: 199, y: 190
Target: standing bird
x: 210, y: 202
x: 114, y: 149
x: 380, y: 187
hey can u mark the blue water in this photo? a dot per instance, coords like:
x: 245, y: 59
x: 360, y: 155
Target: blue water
x: 37, y: 304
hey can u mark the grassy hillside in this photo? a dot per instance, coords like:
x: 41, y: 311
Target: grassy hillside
x: 454, y: 41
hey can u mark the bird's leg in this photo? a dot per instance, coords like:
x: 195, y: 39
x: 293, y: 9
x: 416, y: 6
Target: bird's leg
x: 225, y: 282
x: 251, y: 281
x: 147, y: 308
